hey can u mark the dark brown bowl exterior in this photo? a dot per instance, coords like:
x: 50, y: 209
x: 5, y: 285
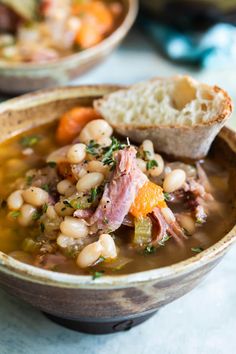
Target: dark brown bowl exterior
x: 16, y: 78
x: 110, y: 303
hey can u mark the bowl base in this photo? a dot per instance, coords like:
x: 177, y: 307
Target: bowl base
x: 102, y: 327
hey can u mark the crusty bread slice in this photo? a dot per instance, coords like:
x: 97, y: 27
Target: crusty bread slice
x: 180, y: 115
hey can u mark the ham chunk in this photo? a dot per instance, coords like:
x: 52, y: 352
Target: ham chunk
x: 119, y: 193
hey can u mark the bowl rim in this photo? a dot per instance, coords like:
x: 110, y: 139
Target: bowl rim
x: 10, y: 266
x: 105, y: 44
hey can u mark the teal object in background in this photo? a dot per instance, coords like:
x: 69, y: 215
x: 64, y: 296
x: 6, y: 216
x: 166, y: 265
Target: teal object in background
x: 215, y: 47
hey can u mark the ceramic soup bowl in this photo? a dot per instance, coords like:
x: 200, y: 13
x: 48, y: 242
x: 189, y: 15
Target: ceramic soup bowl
x: 110, y: 303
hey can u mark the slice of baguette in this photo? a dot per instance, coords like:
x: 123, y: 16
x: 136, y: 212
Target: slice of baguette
x: 180, y: 115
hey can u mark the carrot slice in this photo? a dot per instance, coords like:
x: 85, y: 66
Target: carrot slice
x: 148, y: 197
x: 102, y: 15
x: 95, y: 12
x: 72, y: 122
x: 88, y: 35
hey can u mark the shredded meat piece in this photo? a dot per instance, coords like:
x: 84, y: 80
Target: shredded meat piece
x: 9, y: 20
x: 194, y: 194
x: 46, y: 177
x: 50, y: 261
x: 119, y: 193
x: 173, y: 228
x: 43, y: 176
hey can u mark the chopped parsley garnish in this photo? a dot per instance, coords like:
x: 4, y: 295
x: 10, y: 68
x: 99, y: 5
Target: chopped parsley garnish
x: 96, y: 274
x: 14, y: 214
x: 110, y: 161
x: 92, y: 147
x: 29, y: 141
x: 149, y: 249
x: 52, y: 164
x: 42, y: 227
x: 45, y: 187
x: 108, y: 158
x: 146, y: 154
x: 93, y: 195
x: 36, y: 215
x: 167, y: 196
x: 197, y: 249
x: 44, y: 208
x: 165, y: 238
x: 150, y: 164
x: 29, y: 180
x: 67, y: 204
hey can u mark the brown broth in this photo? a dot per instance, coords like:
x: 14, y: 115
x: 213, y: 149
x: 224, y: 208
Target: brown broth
x: 13, y: 165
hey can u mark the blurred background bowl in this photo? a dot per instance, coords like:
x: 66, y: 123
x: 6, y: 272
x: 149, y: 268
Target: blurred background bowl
x: 16, y: 78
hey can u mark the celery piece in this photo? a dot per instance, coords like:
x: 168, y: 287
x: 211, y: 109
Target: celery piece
x: 142, y: 231
x: 30, y: 246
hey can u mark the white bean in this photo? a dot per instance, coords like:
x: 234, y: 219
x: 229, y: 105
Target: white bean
x: 26, y: 215
x: 174, y: 180
x: 65, y: 241
x: 51, y: 212
x: 27, y: 151
x: 91, y: 180
x: 187, y: 223
x: 108, y: 246
x: 15, y: 200
x: 62, y: 209
x: 75, y: 228
x: 148, y: 149
x: 97, y: 166
x: 167, y: 170
x: 76, y: 153
x: 89, y: 255
x: 168, y: 215
x: 157, y: 170
x: 82, y: 172
x: 141, y: 164
x: 35, y: 196
x: 104, y: 141
x: 66, y: 187
x: 95, y: 130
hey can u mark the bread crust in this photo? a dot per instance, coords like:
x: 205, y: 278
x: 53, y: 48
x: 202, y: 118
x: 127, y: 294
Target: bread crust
x: 182, y: 141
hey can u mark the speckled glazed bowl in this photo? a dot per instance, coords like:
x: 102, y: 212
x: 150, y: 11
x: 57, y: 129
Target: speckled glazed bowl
x: 18, y: 78
x: 110, y: 303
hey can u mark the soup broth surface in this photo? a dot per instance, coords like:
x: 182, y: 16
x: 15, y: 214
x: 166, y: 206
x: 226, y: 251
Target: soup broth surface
x: 15, y: 161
